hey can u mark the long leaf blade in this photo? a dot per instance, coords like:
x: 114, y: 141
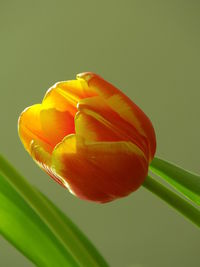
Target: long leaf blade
x: 83, y: 239
x: 173, y: 199
x: 20, y: 225
x: 183, y: 181
x: 67, y: 234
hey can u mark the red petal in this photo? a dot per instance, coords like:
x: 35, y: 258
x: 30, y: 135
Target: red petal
x: 96, y: 121
x: 100, y: 172
x: 126, y: 109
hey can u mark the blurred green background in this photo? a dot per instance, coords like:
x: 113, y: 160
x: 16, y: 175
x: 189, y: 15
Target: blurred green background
x: 149, y: 49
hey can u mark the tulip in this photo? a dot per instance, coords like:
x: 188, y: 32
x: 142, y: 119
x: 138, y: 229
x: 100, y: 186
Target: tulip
x: 90, y: 138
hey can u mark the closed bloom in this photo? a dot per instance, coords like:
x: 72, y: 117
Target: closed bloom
x: 89, y: 137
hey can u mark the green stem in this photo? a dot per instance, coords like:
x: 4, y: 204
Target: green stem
x: 173, y: 199
x: 72, y: 239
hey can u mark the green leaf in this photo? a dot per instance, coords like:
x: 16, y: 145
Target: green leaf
x: 183, y: 181
x: 173, y: 199
x: 27, y: 232
x: 39, y: 229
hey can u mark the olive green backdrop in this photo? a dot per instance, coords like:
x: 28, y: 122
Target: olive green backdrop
x: 150, y: 50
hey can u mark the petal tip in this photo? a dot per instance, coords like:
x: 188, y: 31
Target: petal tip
x: 86, y: 76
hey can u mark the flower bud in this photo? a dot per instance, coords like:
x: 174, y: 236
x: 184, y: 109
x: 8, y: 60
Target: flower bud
x: 89, y: 137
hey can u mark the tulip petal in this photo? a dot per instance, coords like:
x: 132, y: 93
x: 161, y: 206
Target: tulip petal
x: 90, y: 128
x: 76, y: 89
x: 65, y: 95
x: 130, y: 112
x: 56, y: 125
x: 96, y: 121
x: 97, y: 84
x: 29, y: 127
x: 68, y: 145
x: 46, y: 126
x: 53, y: 99
x: 126, y: 109
x: 43, y: 159
x: 100, y: 171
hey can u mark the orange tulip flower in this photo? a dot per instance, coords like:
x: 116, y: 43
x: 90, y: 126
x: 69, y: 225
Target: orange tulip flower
x: 89, y: 137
